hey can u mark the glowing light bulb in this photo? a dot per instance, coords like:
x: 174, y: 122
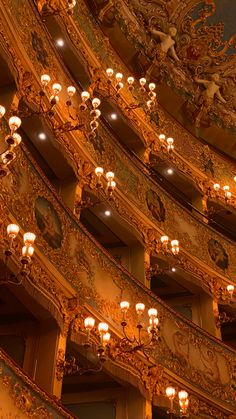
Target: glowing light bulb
x: 45, y: 79
x: 71, y: 91
x: 56, y: 87
x: 140, y: 307
x: 124, y: 305
x: 13, y: 230
x: 170, y: 392
x: 99, y: 171
x: 14, y: 123
x: 109, y: 72
x: 2, y: 111
x: 29, y: 238
x: 89, y: 323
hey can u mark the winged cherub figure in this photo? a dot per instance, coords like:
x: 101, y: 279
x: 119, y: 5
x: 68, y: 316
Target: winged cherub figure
x: 165, y: 46
x: 212, y: 90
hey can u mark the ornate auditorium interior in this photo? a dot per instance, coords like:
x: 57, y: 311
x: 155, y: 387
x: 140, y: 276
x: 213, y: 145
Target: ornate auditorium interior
x: 118, y: 209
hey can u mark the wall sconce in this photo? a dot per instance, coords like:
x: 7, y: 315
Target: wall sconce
x: 12, y: 140
x: 27, y: 249
x: 118, y: 83
x: 166, y: 246
x: 68, y: 8
x: 183, y: 401
x: 109, y: 189
x: 170, y: 393
x: 104, y: 337
x: 74, y: 113
x: 138, y: 342
x: 226, y: 191
x: 230, y: 290
x: 167, y: 144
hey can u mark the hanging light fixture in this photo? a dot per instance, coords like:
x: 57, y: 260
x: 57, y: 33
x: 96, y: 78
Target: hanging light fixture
x: 12, y: 140
x: 103, y: 334
x: 145, y: 336
x: 27, y: 249
x: 183, y: 402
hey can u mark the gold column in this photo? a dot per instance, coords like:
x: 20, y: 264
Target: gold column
x: 138, y: 262
x: 208, y: 310
x: 137, y: 406
x: 50, y: 342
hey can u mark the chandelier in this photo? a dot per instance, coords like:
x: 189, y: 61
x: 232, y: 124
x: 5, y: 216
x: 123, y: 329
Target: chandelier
x: 27, y: 249
x: 108, y: 190
x: 223, y: 192
x: 166, y: 143
x: 12, y: 140
x: 102, y: 332
x: 183, y: 402
x: 145, y: 336
x: 77, y: 117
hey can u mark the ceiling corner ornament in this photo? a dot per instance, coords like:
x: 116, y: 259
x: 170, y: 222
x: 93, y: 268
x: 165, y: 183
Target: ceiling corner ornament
x: 190, y: 40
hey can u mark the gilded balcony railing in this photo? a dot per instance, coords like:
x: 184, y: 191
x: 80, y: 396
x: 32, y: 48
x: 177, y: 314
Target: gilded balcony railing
x: 21, y: 398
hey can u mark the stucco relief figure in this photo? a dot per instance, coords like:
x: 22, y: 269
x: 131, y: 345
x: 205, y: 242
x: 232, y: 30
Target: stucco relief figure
x: 212, y: 90
x: 165, y: 46
x: 181, y: 345
x: 210, y: 362
x: 218, y: 254
x: 155, y: 205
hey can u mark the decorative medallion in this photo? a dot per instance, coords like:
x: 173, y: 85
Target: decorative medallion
x: 156, y: 206
x: 48, y: 222
x: 218, y: 254
x: 40, y: 51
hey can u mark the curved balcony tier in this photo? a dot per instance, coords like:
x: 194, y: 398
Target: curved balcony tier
x: 185, y: 352
x: 202, y: 243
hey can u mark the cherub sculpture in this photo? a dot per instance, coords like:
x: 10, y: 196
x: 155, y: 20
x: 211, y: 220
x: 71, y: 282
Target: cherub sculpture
x: 212, y: 90
x: 166, y: 46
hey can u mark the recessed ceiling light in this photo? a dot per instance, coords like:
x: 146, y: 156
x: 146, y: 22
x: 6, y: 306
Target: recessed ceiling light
x: 42, y: 136
x: 114, y: 116
x: 107, y: 213
x: 173, y: 269
x: 170, y: 171
x: 60, y: 42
